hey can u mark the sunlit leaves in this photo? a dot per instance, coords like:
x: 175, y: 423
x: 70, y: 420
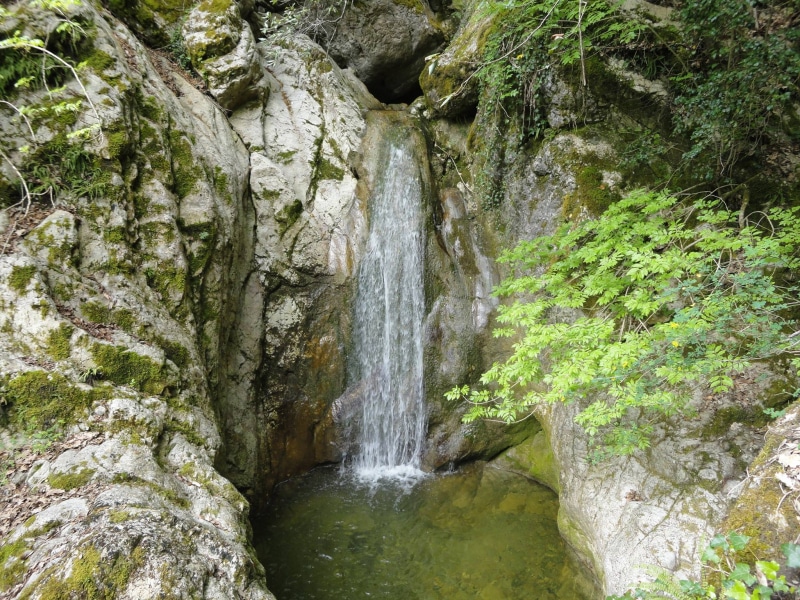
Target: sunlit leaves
x: 632, y: 313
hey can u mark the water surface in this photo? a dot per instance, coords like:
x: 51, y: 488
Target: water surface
x: 479, y: 534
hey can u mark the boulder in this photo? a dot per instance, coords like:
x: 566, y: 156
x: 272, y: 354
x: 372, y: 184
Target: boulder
x: 385, y: 43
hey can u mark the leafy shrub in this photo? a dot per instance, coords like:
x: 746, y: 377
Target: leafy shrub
x: 632, y: 313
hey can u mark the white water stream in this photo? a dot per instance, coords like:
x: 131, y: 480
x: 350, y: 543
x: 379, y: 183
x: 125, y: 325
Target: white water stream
x: 389, y: 310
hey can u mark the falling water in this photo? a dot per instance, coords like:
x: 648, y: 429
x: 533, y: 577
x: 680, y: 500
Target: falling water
x: 389, y: 309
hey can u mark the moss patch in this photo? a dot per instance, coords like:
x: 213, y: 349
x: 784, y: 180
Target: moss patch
x: 20, y: 277
x: 99, y: 313
x: 288, y: 215
x: 39, y: 400
x: 70, y: 481
x: 325, y: 169
x: 58, y: 342
x: 185, y: 171
x: 93, y: 576
x: 591, y: 194
x: 12, y: 566
x: 167, y: 494
x: 124, y: 367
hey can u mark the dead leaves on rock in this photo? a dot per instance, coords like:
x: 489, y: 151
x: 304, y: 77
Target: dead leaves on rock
x: 18, y: 501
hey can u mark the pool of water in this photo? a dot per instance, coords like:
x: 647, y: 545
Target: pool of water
x: 481, y: 533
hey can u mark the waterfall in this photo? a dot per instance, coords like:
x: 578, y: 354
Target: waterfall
x: 387, y: 357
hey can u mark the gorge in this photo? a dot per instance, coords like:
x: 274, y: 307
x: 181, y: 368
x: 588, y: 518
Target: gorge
x: 195, y: 311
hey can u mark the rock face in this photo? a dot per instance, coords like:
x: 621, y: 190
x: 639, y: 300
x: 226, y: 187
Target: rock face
x: 113, y: 316
x: 174, y: 337
x: 385, y: 43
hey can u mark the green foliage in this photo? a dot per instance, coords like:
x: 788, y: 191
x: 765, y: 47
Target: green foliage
x: 737, y: 580
x: 632, y: 313
x: 741, y: 76
x: 177, y: 48
x: 533, y: 35
x: 45, y: 169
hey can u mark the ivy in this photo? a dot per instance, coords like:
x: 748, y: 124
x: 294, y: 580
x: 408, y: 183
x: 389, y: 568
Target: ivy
x: 630, y: 314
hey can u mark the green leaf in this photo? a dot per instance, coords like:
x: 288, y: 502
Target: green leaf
x: 737, y: 591
x: 737, y: 540
x: 768, y: 568
x: 792, y: 554
x: 710, y: 555
x: 741, y: 572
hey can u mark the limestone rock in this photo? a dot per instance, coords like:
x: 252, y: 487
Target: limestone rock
x: 153, y: 22
x: 114, y: 319
x: 222, y: 49
x: 385, y: 43
x: 448, y: 79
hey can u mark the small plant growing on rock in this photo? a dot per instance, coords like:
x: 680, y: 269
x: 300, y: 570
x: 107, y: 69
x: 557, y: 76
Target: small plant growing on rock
x: 32, y: 163
x: 737, y: 580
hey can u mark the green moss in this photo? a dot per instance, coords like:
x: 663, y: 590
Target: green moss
x: 167, y: 494
x: 119, y: 516
x: 288, y: 215
x: 39, y: 400
x: 99, y: 313
x: 174, y: 351
x: 325, y: 169
x: 166, y: 280
x: 12, y: 567
x: 58, y: 342
x: 70, y: 481
x: 221, y: 185
x: 725, y: 417
x: 99, y: 61
x: 185, y: 171
x: 124, y: 367
x: 93, y: 577
x: 591, y: 194
x: 286, y: 157
x: 187, y: 430
x: 20, y: 277
x: 414, y: 5
x: 119, y: 143
x: 157, y: 233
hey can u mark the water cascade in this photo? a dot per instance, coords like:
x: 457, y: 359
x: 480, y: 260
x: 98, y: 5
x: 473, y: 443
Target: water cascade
x: 387, y: 357
x: 477, y: 533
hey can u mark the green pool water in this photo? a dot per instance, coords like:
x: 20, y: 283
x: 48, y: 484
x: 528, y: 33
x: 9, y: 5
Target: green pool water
x: 481, y: 533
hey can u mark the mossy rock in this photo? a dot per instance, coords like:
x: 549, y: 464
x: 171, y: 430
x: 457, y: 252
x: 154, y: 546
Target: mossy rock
x: 125, y: 367
x: 12, y: 565
x: 20, y: 277
x: 37, y: 399
x: 762, y: 511
x: 533, y: 458
x: 92, y: 576
x: 151, y: 20
x: 592, y: 195
x: 211, y: 30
